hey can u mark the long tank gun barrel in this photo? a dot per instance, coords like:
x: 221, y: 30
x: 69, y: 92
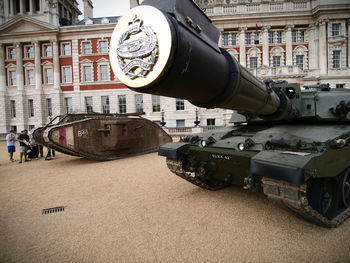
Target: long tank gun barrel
x: 170, y: 48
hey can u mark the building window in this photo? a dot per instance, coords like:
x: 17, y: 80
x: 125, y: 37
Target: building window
x: 14, y: 128
x: 103, y: 72
x: 103, y: 46
x: 122, y: 103
x: 37, y: 5
x: 294, y: 36
x: 27, y: 5
x: 31, y: 127
x: 180, y: 123
x: 210, y: 122
x: 180, y: 104
x: 234, y: 39
x: 88, y: 105
x: 279, y: 36
x: 336, y: 59
x: 48, y: 76
x: 105, y: 104
x: 299, y: 59
x: 12, y: 78
x: 139, y: 102
x: 30, y: 77
x: 49, y: 107
x: 248, y: 37
x: 11, y: 53
x: 302, y: 36
x: 31, y: 108
x: 29, y: 52
x: 339, y: 86
x: 13, y: 108
x: 253, y: 62
x: 66, y: 50
x: 256, y: 38
x: 67, y: 74
x: 87, y: 73
x: 271, y: 35
x: 225, y: 39
x: 276, y: 61
x: 47, y: 50
x: 155, y: 103
x: 69, y: 105
x: 86, y: 47
x: 335, y: 29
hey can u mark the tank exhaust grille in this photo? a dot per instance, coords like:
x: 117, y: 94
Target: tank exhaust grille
x: 52, y: 210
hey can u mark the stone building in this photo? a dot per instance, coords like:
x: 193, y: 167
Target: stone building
x: 51, y: 63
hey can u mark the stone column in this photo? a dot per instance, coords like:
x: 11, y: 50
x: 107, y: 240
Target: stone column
x: 57, y: 102
x: 31, y: 7
x: 21, y: 7
x: 265, y: 43
x: 312, y: 44
x: 289, y: 45
x: 6, y: 10
x: 4, y: 107
x: 322, y: 51
x: 242, y: 52
x: 21, y: 109
x: 39, y: 101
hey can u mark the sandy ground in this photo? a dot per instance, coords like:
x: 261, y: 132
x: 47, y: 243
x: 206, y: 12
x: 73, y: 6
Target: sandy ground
x: 135, y: 210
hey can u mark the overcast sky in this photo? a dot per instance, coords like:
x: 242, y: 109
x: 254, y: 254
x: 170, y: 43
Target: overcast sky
x: 103, y: 8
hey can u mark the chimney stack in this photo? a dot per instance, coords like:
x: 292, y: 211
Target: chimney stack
x: 88, y: 9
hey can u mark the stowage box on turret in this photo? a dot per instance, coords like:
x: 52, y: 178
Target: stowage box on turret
x: 292, y: 143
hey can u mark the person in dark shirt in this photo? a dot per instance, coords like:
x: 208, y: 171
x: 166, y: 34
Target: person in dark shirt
x: 24, y: 145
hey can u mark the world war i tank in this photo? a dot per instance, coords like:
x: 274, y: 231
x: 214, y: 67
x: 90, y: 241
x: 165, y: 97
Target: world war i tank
x: 102, y: 136
x: 291, y: 143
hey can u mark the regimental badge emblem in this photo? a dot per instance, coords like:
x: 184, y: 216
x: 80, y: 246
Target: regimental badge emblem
x: 137, y: 49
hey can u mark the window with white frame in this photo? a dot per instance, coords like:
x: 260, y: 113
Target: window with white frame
x: 180, y: 123
x: 225, y: 39
x: 139, y: 102
x: 29, y: 51
x: 49, y: 107
x: 339, y: 86
x: 256, y: 38
x: 67, y: 74
x: 253, y: 62
x: 302, y: 36
x: 276, y: 61
x: 30, y: 77
x: 11, y: 53
x: 180, y: 104
x: 47, y: 50
x: 13, y: 108
x: 103, y: 72
x: 66, y: 49
x: 155, y: 103
x: 336, y: 58
x: 248, y: 38
x: 122, y: 103
x: 210, y: 122
x: 271, y: 37
x: 279, y: 37
x: 86, y: 47
x: 31, y: 108
x: 88, y: 105
x: 103, y: 46
x: 294, y: 36
x: 105, y: 104
x: 12, y: 77
x: 335, y: 29
x: 87, y: 73
x: 234, y: 39
x: 48, y: 75
x: 69, y: 105
x: 299, y: 61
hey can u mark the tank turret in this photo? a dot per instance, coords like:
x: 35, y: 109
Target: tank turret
x: 290, y: 142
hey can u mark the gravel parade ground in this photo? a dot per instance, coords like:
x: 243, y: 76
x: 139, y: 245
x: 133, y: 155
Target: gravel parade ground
x: 136, y: 210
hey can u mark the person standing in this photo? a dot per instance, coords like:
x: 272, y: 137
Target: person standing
x: 10, y: 140
x: 23, y: 145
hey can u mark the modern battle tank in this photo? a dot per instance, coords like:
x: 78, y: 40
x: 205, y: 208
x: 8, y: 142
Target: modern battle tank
x: 102, y: 136
x: 290, y: 142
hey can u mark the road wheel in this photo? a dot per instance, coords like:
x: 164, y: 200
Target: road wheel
x: 345, y: 188
x: 324, y: 196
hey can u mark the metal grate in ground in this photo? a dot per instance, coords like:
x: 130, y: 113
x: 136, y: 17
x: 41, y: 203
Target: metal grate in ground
x: 52, y: 210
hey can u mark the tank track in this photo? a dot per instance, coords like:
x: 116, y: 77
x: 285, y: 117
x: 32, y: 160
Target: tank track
x: 293, y: 198
x: 175, y: 166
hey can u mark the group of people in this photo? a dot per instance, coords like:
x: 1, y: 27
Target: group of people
x: 28, y: 148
